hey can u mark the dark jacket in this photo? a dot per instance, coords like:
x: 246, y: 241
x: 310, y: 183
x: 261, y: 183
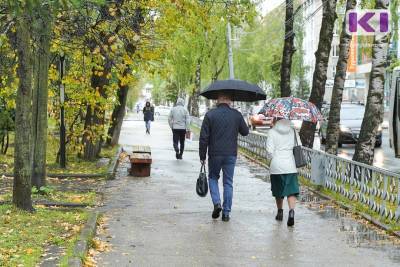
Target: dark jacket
x: 148, y: 113
x: 219, y: 132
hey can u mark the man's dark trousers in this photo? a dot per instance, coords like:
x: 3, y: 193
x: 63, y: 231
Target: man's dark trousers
x: 179, y: 137
x: 227, y: 165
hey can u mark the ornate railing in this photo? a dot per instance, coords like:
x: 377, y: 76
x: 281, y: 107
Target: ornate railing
x: 376, y: 189
x: 255, y: 143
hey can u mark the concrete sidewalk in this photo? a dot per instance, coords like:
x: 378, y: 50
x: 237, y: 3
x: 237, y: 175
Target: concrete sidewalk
x: 160, y: 221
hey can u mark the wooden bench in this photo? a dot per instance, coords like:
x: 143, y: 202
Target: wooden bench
x: 140, y: 161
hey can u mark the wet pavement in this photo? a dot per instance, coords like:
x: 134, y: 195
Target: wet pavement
x: 160, y: 221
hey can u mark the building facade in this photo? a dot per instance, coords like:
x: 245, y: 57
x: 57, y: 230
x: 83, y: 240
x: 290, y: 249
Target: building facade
x: 359, y: 67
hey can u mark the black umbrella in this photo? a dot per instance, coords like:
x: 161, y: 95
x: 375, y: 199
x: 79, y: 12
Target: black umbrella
x: 239, y: 90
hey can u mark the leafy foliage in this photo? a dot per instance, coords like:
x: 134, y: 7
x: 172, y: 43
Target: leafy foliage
x: 259, y: 53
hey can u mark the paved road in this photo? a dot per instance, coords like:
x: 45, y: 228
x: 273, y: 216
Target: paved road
x: 384, y: 156
x: 160, y: 221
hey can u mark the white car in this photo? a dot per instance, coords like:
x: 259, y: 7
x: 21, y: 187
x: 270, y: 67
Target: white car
x: 162, y: 110
x: 203, y: 110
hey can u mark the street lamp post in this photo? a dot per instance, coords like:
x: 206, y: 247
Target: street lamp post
x: 230, y: 51
x: 62, y: 114
x: 398, y: 35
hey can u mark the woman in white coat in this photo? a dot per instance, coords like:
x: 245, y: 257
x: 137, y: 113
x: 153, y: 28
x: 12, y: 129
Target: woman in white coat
x: 284, y: 181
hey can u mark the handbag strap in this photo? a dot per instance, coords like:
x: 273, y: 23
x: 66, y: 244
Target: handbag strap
x: 295, y: 138
x: 203, y: 168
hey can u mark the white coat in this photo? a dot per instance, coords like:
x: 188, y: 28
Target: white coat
x: 280, y: 145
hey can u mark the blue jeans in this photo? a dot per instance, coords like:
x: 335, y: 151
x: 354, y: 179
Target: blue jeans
x: 147, y: 125
x: 227, y: 165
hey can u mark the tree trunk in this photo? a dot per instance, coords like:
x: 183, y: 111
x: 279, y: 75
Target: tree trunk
x: 288, y: 51
x: 118, y: 114
x: 40, y: 95
x: 189, y: 106
x: 197, y: 89
x: 93, y: 138
x: 5, y: 142
x: 337, y: 92
x: 307, y: 131
x: 373, y: 116
x: 95, y: 115
x: 23, y: 117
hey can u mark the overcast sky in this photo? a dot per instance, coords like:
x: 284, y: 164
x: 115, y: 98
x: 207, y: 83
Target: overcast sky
x: 269, y: 5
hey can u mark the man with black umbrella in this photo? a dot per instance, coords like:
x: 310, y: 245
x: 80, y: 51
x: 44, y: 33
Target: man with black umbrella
x: 219, y: 135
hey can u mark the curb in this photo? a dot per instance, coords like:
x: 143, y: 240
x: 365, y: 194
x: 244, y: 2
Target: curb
x: 114, y: 165
x: 83, y: 242
x: 110, y: 173
x: 67, y: 175
x: 77, y: 175
x: 53, y: 204
x: 254, y: 160
x: 362, y: 214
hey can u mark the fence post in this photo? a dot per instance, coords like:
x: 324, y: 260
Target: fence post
x: 318, y: 176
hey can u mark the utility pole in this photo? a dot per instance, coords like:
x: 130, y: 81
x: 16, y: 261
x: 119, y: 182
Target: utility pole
x: 62, y: 114
x: 230, y: 51
x: 398, y: 34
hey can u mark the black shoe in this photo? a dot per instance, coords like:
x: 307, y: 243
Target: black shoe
x: 217, y: 210
x: 290, y: 221
x: 225, y: 218
x: 279, y: 215
x: 177, y: 155
x: 180, y: 156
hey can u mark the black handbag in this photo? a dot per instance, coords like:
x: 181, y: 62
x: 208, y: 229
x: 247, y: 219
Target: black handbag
x: 298, y: 153
x: 202, y: 184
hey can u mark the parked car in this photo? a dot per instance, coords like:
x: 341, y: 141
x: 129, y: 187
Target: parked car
x: 351, y: 117
x: 256, y: 117
x: 162, y: 110
x: 202, y: 110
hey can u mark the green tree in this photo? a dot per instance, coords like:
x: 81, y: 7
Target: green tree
x: 21, y: 40
x: 373, y: 116
x: 288, y: 50
x: 337, y: 92
x: 307, y: 131
x: 42, y: 31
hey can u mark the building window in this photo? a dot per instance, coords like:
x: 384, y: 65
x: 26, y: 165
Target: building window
x: 335, y: 50
x: 336, y: 29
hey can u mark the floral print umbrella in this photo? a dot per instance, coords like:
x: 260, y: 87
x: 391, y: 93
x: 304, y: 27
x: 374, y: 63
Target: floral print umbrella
x: 292, y: 108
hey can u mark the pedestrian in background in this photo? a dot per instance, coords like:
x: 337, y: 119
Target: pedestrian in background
x: 148, y: 115
x: 179, y: 121
x: 219, y: 135
x: 284, y: 181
